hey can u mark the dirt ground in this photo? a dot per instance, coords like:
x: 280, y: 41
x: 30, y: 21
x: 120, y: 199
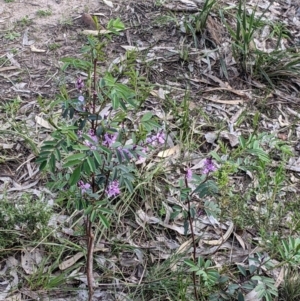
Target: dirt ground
x: 61, y: 10
x: 40, y: 33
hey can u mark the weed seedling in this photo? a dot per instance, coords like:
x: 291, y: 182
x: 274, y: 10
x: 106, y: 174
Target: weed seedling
x: 44, y: 13
x: 12, y: 35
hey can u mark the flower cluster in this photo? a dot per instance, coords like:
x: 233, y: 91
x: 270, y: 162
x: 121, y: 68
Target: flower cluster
x: 79, y: 84
x: 79, y: 133
x: 152, y: 141
x: 189, y: 174
x: 109, y: 139
x: 83, y: 186
x: 128, y: 152
x: 157, y: 139
x: 113, y: 189
x: 209, y: 166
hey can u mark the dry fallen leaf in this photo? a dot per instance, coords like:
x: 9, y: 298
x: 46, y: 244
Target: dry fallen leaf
x: 142, y: 218
x: 133, y: 48
x: 108, y: 3
x: 20, y: 187
x: 8, y: 68
x: 222, y: 239
x: 26, y: 42
x: 227, y: 102
x: 44, y: 123
x: 95, y: 32
x: 211, y: 137
x: 281, y: 276
x: 240, y: 240
x: 69, y: 262
x: 231, y: 137
x: 173, y: 151
x: 34, y: 49
x: 30, y: 260
x: 14, y: 62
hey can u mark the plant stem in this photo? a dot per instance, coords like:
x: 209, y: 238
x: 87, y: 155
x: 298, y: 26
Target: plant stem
x: 89, y: 230
x: 90, y: 250
x: 194, y: 243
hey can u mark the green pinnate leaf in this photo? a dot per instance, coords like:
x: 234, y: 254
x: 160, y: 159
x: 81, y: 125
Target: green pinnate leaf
x: 75, y: 176
x: 52, y: 162
x: 104, y: 220
x: 242, y: 270
x: 97, y: 157
x: 147, y: 117
x: 207, y: 188
x: 72, y: 163
x: 91, y: 164
x: 78, y: 156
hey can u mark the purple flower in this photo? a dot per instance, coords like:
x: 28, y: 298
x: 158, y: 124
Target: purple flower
x: 189, y: 174
x: 79, y: 83
x: 209, y: 166
x: 113, y: 189
x: 83, y: 187
x: 109, y: 139
x: 200, y: 212
x: 159, y: 138
x: 81, y: 98
x: 93, y: 136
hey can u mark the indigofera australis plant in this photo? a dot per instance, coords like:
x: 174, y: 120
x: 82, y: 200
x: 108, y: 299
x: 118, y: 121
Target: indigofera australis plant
x: 93, y: 146
x: 99, y: 150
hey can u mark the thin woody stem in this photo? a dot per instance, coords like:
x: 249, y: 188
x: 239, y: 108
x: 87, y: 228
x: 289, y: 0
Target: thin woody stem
x: 90, y: 249
x: 89, y: 230
x: 194, y: 242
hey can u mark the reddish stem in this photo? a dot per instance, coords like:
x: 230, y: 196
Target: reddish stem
x: 194, y: 242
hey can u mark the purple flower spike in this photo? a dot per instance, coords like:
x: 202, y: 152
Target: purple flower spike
x: 113, y: 189
x: 93, y: 136
x: 159, y: 138
x: 209, y: 166
x: 109, y: 139
x: 189, y: 174
x: 83, y: 187
x: 79, y: 84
